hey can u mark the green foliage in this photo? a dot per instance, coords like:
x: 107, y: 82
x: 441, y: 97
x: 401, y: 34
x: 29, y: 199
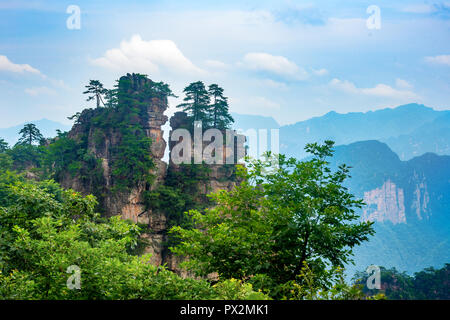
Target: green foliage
x: 179, y: 194
x: 307, y: 287
x: 26, y: 156
x: 30, y: 134
x: 45, y: 229
x: 275, y: 222
x: 65, y: 155
x: 7, y: 177
x: 3, y: 146
x: 196, y: 102
x: 428, y: 284
x: 133, y: 160
x: 207, y: 105
x: 234, y: 289
x: 219, y: 114
x: 6, y: 161
x: 111, y: 98
x: 95, y: 91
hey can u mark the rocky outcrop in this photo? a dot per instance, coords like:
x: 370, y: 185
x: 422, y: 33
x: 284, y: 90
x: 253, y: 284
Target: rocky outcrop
x: 386, y: 203
x: 101, y: 141
x: 220, y: 176
x: 420, y: 199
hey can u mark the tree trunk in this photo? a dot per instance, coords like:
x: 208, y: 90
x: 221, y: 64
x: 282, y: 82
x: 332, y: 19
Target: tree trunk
x: 303, y: 257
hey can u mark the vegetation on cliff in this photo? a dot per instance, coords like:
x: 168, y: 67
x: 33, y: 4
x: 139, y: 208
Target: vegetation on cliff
x: 179, y: 194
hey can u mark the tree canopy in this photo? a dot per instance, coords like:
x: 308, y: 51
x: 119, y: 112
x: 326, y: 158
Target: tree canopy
x: 30, y: 134
x: 428, y: 284
x: 207, y: 105
x: 3, y: 145
x: 196, y: 102
x: 95, y: 90
x: 218, y: 112
x: 276, y: 223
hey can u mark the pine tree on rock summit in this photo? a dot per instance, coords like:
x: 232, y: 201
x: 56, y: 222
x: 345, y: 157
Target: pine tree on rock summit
x: 95, y: 90
x: 219, y: 115
x: 29, y: 134
x: 196, y: 102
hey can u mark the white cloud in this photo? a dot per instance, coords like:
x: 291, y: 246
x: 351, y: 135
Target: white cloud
x: 137, y: 55
x: 273, y: 84
x: 380, y: 90
x: 418, y: 8
x: 320, y: 72
x: 278, y: 65
x: 216, y: 64
x: 344, y: 85
x: 35, y: 91
x: 7, y: 65
x: 403, y: 84
x: 442, y: 59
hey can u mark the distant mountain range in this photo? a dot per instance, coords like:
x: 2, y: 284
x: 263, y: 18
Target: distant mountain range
x: 432, y: 136
x: 409, y: 130
x: 246, y: 121
x: 47, y: 127
x: 408, y: 200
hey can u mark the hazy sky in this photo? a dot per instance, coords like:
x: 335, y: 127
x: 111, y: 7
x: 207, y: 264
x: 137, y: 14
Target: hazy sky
x: 288, y: 59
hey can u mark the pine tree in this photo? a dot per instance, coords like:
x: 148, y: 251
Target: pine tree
x: 29, y: 134
x: 218, y: 110
x: 111, y: 98
x: 3, y: 145
x: 196, y: 102
x: 95, y: 90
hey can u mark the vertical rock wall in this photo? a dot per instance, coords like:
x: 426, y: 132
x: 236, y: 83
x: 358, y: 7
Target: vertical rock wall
x: 130, y: 203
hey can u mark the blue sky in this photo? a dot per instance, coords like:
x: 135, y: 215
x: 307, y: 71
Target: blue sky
x: 291, y: 60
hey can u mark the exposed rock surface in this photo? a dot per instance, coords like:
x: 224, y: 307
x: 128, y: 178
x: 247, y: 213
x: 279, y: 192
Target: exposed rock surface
x: 220, y: 176
x: 385, y: 204
x: 100, y: 143
x: 130, y: 203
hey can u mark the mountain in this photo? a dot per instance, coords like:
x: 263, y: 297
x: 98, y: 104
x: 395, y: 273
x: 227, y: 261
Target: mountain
x: 47, y: 127
x: 433, y: 137
x: 111, y: 161
x: 246, y: 121
x: 386, y: 125
x: 413, y: 190
x: 408, y: 200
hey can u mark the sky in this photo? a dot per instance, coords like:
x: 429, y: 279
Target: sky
x: 291, y: 60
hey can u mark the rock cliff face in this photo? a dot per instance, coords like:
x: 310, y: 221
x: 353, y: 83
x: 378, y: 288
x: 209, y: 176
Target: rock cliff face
x: 130, y: 203
x: 220, y: 176
x: 101, y: 143
x: 420, y: 200
x: 385, y: 204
